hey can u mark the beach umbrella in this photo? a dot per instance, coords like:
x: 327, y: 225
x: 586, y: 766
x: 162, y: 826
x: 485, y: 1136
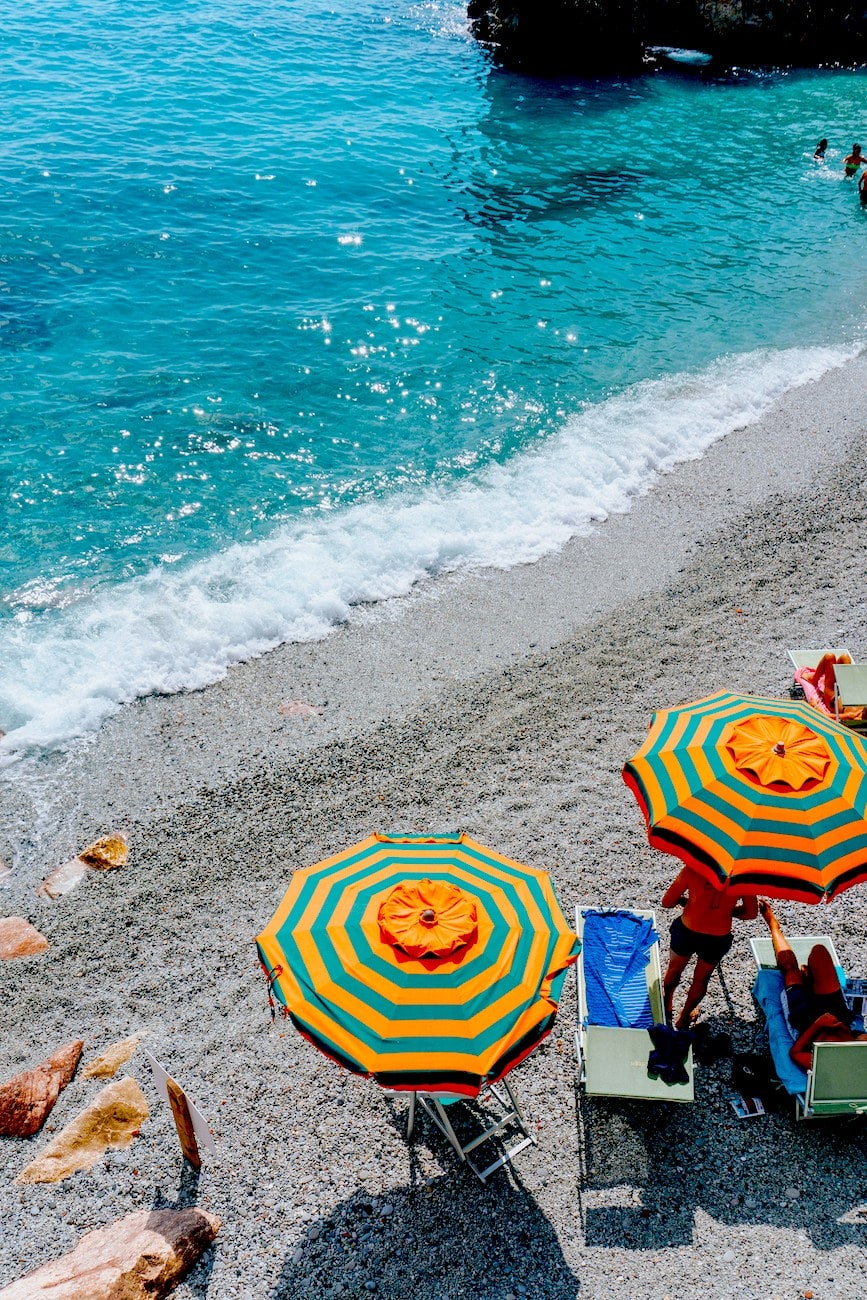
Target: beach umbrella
x: 431, y: 964
x: 768, y: 795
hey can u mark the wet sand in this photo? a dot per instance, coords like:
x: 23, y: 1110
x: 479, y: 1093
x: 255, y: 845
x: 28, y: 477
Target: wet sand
x: 503, y: 704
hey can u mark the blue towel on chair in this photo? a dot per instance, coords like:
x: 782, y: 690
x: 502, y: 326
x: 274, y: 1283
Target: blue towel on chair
x: 616, y: 950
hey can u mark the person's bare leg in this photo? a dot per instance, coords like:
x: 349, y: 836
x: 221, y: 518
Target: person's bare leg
x: 778, y: 939
x: 698, y: 988
x: 676, y: 966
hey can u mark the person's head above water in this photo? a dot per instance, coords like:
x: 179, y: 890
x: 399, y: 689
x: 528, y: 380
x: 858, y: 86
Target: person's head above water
x: 856, y: 148
x: 823, y: 144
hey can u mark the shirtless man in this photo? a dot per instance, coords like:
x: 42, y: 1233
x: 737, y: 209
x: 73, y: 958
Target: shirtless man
x: 853, y: 161
x: 703, y: 931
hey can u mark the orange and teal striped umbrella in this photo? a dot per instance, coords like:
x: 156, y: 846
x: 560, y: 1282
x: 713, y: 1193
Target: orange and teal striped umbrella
x: 769, y: 795
x: 429, y: 963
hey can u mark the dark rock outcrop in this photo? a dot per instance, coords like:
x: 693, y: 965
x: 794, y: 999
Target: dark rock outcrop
x: 562, y: 37
x: 599, y: 38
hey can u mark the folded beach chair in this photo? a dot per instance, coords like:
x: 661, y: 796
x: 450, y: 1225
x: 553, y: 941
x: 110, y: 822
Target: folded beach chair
x: 619, y: 1000
x: 836, y: 1083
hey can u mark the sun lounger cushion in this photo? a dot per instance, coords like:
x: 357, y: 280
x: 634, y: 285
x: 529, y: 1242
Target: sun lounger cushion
x: 615, y: 954
x: 767, y: 991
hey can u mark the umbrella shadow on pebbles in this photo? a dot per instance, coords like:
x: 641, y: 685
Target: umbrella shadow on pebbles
x: 445, y: 1238
x: 649, y: 1168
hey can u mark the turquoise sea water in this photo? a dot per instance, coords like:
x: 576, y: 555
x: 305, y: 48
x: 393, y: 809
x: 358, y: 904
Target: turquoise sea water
x: 303, y: 302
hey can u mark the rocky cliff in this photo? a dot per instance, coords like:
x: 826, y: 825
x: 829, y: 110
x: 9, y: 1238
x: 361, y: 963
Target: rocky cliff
x: 604, y: 37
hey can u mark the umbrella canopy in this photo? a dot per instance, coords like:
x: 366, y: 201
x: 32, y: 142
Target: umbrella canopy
x: 766, y: 794
x: 426, y: 963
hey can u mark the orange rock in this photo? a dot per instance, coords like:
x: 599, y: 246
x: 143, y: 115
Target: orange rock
x: 106, y: 854
x: 112, y: 1119
x: 18, y: 938
x: 27, y: 1100
x: 141, y: 1257
x: 110, y: 1061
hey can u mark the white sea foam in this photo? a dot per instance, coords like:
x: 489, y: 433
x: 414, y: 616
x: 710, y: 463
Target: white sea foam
x: 65, y: 669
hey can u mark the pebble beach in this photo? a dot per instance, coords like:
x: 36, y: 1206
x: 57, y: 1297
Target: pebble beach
x: 502, y: 704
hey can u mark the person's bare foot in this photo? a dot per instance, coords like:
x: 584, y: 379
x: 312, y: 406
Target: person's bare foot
x: 765, y: 909
x: 690, y: 1021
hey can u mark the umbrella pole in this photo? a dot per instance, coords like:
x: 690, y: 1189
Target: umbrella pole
x: 442, y: 1121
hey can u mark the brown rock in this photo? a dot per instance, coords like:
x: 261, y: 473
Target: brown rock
x: 109, y: 1062
x: 141, y: 1257
x: 18, y: 938
x: 107, y: 853
x: 27, y: 1100
x: 112, y: 1119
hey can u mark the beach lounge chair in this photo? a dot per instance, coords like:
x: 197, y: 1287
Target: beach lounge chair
x: 619, y: 999
x: 836, y: 1083
x: 849, y: 682
x: 500, y: 1105
x: 809, y: 658
x: 850, y: 695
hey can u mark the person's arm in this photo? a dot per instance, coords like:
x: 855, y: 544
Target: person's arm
x: 675, y: 895
x: 747, y: 909
x: 801, y: 1050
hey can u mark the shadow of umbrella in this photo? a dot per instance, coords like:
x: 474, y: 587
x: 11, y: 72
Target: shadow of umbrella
x: 440, y: 1240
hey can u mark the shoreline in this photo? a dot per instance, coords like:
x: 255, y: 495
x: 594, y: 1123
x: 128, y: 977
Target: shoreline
x: 518, y: 698
x: 392, y: 657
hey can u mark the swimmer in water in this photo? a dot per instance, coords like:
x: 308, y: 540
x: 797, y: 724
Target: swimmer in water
x: 853, y: 161
x: 862, y: 189
x: 819, y: 155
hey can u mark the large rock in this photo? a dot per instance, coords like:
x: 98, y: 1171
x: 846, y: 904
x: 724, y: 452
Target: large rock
x: 109, y: 1062
x: 608, y: 37
x: 112, y: 1119
x: 27, y: 1100
x: 141, y: 1257
x: 562, y: 37
x: 18, y: 938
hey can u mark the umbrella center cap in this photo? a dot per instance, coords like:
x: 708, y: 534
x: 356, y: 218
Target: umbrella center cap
x: 427, y: 918
x: 778, y: 753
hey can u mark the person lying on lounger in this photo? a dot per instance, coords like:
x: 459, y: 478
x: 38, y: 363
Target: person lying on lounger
x: 817, y: 1009
x: 703, y: 931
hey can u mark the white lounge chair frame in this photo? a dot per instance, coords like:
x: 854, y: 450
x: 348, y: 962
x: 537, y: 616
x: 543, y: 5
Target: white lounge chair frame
x: 612, y: 1062
x: 809, y: 658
